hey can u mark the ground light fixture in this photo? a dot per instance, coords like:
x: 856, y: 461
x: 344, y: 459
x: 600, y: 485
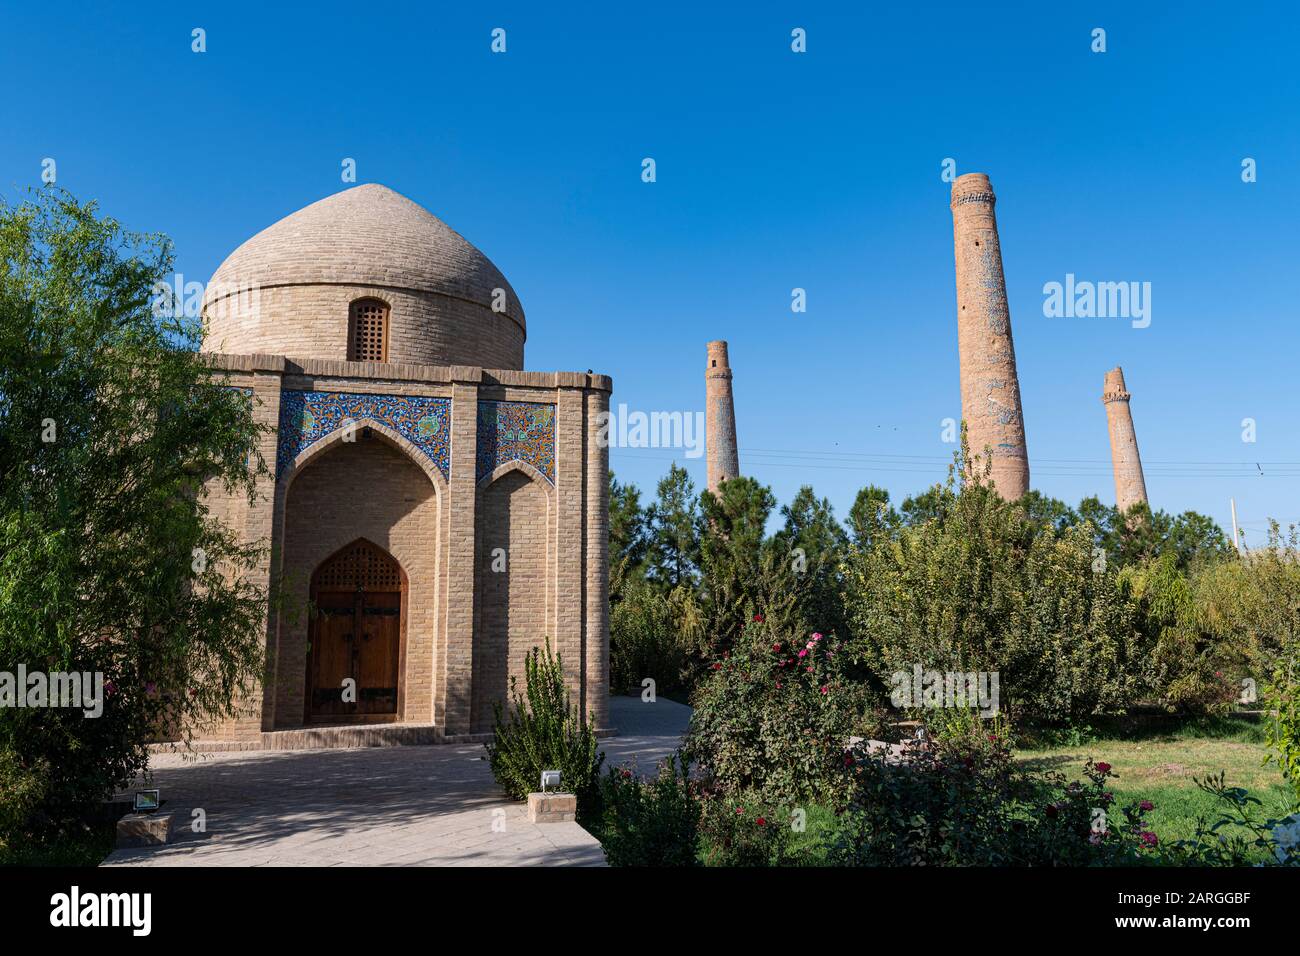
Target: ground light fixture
x: 551, y: 779
x: 147, y: 801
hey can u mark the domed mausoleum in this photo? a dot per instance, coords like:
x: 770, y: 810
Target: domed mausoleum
x: 433, y: 511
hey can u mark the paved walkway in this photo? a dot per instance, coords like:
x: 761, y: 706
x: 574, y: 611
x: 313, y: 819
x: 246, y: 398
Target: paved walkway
x: 382, y: 806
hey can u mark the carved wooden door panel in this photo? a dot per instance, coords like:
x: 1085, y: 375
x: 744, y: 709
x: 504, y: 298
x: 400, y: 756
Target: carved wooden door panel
x: 355, y: 637
x: 377, y: 652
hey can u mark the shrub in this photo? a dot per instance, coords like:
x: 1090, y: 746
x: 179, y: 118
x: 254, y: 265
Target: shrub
x: 1081, y: 827
x: 22, y: 787
x: 1283, y: 696
x: 1190, y: 668
x: 652, y: 822
x: 934, y: 805
x: 963, y: 802
x: 648, y: 637
x: 1252, y: 605
x: 540, y: 731
x: 775, y: 715
x: 979, y: 587
x: 961, y: 727
x: 744, y: 829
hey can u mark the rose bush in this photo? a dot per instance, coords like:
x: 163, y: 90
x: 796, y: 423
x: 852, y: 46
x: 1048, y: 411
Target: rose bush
x: 775, y: 715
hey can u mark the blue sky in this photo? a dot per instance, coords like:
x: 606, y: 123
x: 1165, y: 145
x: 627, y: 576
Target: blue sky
x: 775, y: 170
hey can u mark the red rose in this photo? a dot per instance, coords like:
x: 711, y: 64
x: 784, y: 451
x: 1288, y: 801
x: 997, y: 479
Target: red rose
x: 1103, y: 767
x: 758, y: 619
x: 761, y: 821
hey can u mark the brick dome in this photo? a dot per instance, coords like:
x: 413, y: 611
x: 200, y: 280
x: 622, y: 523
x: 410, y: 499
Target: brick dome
x: 288, y: 289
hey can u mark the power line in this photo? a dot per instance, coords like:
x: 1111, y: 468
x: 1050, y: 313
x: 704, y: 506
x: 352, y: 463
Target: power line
x: 796, y: 460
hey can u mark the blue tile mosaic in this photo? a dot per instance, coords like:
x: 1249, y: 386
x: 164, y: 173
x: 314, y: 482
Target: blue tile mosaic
x: 308, y: 417
x: 516, y: 431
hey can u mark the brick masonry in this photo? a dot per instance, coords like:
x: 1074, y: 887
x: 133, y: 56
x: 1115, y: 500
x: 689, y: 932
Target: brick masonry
x: 990, y: 387
x: 466, y: 627
x: 512, y: 580
x: 720, y: 417
x: 1130, y: 484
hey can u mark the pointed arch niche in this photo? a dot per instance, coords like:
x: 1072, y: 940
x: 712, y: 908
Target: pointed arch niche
x: 347, y: 508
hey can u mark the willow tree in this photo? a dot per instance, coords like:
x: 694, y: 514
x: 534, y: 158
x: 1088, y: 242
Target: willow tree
x: 111, y: 563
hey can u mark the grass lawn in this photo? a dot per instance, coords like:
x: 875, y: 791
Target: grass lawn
x: 1158, y: 761
x: 1154, y: 759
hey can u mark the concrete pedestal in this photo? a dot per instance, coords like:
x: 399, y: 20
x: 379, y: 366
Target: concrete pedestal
x: 552, y: 807
x: 143, y: 829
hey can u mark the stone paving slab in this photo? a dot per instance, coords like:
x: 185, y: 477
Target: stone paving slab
x: 434, y: 805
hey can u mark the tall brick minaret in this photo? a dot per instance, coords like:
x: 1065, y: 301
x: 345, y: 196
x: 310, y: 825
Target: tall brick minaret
x: 1130, y: 485
x: 720, y: 417
x: 990, y: 390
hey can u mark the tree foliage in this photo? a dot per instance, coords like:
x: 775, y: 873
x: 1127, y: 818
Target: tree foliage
x: 110, y: 559
x: 674, y: 529
x: 980, y: 587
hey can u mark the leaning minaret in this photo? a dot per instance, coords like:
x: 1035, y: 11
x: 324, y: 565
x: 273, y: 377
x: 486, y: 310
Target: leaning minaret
x: 1130, y: 486
x: 720, y: 412
x: 990, y: 390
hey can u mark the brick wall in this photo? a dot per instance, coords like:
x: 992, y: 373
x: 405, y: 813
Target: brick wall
x: 467, y: 628
x: 364, y: 489
x: 311, y: 322
x: 510, y: 608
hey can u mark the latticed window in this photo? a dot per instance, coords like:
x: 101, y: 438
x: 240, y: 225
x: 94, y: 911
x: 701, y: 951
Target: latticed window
x: 360, y: 566
x: 368, y: 331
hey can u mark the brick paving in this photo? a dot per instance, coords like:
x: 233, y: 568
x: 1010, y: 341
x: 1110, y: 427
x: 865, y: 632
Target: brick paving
x: 378, y: 806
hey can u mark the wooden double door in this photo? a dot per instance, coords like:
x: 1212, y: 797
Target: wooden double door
x: 354, y: 658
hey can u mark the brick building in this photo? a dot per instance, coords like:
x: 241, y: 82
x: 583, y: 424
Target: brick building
x: 434, y: 510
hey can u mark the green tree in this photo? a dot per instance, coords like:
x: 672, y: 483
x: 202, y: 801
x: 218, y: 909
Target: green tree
x: 929, y: 505
x: 110, y: 560
x: 1142, y: 535
x: 629, y: 537
x: 1043, y: 512
x: 740, y: 571
x: 815, y: 544
x: 871, y: 516
x: 674, y: 523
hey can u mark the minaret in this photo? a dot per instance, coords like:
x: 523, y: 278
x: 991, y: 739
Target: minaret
x: 990, y: 390
x: 1130, y: 486
x: 720, y: 414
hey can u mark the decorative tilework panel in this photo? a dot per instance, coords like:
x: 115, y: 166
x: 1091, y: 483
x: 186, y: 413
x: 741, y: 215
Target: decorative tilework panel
x: 308, y: 417
x: 516, y: 431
